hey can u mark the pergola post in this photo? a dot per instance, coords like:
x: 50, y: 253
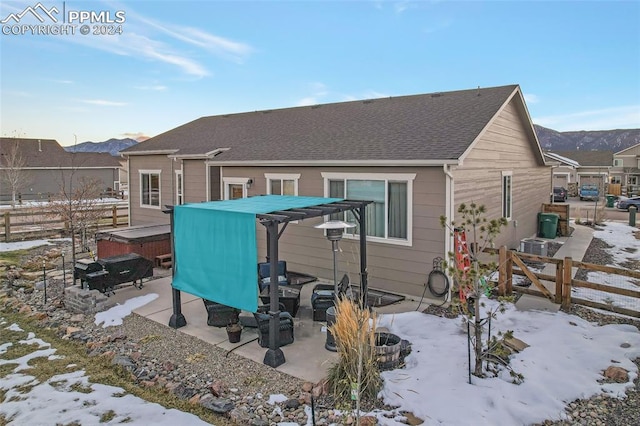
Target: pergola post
x: 274, y: 356
x: 177, y: 319
x: 364, y: 284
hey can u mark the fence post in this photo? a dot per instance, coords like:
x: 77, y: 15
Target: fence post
x: 559, y: 279
x: 114, y: 215
x: 508, y: 266
x: 502, y: 279
x: 566, y: 283
x: 7, y: 227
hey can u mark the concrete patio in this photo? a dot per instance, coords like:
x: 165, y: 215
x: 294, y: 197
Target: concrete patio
x: 306, y: 358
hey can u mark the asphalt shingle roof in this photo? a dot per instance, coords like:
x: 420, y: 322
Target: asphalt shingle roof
x: 47, y: 153
x: 589, y: 158
x: 437, y: 126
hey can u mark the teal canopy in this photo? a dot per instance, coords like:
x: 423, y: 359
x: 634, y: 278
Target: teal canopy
x: 215, y: 250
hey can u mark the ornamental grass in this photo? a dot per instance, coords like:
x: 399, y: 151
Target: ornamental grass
x: 355, y: 376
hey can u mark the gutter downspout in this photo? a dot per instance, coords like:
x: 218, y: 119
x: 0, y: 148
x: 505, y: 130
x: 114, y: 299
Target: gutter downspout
x: 449, y: 212
x: 129, y: 188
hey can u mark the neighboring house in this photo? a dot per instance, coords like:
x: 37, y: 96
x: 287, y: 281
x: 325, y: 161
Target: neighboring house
x: 46, y: 167
x: 417, y: 157
x: 564, y: 170
x: 626, y: 170
x: 582, y: 167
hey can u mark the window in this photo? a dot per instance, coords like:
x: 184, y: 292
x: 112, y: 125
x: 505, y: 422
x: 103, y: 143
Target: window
x: 633, y: 180
x: 389, y: 217
x: 179, y: 188
x: 282, y: 184
x: 507, y: 201
x: 235, y: 188
x: 616, y: 180
x: 150, y: 188
x: 618, y: 162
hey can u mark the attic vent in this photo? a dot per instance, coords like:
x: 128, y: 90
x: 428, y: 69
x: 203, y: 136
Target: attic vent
x: 266, y: 111
x: 368, y: 101
x: 315, y: 106
x: 436, y: 95
x: 226, y: 116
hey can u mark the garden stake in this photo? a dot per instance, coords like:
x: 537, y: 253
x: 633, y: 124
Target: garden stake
x: 44, y: 279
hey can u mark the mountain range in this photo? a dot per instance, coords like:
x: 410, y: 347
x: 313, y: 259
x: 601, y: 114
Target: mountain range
x: 550, y: 140
x: 112, y: 146
x: 587, y: 140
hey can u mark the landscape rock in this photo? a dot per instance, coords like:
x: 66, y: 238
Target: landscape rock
x: 617, y: 374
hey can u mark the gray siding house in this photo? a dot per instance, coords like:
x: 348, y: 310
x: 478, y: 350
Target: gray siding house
x: 47, y: 167
x: 577, y: 168
x: 626, y: 170
x: 417, y: 157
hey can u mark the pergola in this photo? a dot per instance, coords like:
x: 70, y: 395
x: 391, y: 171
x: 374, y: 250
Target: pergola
x: 274, y: 212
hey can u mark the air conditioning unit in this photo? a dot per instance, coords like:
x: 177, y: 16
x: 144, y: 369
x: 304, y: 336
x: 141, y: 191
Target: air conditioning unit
x: 533, y: 246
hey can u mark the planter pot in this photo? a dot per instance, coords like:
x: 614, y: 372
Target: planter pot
x: 387, y: 350
x: 233, y: 332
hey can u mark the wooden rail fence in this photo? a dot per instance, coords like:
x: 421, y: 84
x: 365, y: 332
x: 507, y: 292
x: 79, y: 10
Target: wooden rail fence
x: 562, y: 282
x: 20, y: 224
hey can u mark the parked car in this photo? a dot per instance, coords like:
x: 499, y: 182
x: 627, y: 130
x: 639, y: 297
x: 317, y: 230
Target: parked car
x: 589, y: 191
x: 624, y: 204
x: 559, y: 194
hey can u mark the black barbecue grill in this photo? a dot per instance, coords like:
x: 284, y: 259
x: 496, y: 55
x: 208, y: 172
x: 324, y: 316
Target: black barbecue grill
x: 105, y: 274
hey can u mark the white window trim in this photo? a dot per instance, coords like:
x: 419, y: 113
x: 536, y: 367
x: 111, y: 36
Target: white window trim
x: 502, y: 194
x: 282, y: 176
x: 226, y: 181
x: 151, y: 172
x: 180, y: 187
x: 386, y: 177
x: 618, y: 162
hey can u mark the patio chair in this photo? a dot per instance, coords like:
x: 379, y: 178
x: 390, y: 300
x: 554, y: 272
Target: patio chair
x: 264, y: 274
x: 219, y: 315
x: 286, y: 328
x: 323, y: 297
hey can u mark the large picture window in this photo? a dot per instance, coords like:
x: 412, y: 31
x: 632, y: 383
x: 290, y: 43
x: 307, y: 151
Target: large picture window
x: 389, y: 217
x: 507, y: 201
x: 150, y: 188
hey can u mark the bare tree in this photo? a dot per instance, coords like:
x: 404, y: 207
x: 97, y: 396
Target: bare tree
x: 14, y: 173
x: 78, y: 206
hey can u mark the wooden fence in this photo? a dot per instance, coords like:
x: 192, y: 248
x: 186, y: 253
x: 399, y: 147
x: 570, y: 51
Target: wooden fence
x: 20, y: 224
x: 559, y: 287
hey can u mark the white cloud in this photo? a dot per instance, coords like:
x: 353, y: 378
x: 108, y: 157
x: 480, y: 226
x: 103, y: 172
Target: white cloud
x: 401, y: 6
x: 156, y: 87
x: 624, y: 117
x: 225, y: 47
x: 530, y: 98
x: 102, y: 102
x: 319, y: 92
x: 136, y: 45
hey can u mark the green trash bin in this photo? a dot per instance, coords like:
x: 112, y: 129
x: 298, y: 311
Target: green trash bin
x: 611, y: 199
x: 547, y: 225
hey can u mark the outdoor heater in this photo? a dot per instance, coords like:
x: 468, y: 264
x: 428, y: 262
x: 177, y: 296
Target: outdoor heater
x: 335, y: 230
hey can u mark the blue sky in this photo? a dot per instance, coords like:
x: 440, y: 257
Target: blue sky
x: 577, y: 62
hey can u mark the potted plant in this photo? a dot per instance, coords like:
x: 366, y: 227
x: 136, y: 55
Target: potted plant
x: 234, y: 330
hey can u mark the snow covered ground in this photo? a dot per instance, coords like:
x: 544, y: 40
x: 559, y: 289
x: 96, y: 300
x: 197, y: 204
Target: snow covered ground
x: 625, y: 248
